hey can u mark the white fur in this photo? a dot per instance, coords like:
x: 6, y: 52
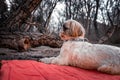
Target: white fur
x: 104, y: 58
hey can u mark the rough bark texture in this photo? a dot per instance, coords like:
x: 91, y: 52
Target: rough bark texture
x: 95, y: 18
x: 46, y: 40
x: 14, y: 41
x: 23, y: 41
x: 19, y: 16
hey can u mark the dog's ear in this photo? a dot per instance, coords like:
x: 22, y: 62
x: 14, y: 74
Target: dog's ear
x: 64, y: 27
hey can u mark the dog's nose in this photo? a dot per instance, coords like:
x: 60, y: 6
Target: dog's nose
x: 61, y: 34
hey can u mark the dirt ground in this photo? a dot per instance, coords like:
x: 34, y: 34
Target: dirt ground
x: 32, y: 54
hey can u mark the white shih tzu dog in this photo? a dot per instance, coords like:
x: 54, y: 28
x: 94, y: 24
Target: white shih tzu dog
x: 80, y: 53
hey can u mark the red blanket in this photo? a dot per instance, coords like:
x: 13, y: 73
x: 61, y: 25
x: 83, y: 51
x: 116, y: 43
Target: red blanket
x: 33, y: 70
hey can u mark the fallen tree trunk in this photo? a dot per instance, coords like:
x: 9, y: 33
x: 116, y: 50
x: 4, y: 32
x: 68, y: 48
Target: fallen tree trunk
x: 45, y: 40
x: 14, y: 41
x: 23, y: 41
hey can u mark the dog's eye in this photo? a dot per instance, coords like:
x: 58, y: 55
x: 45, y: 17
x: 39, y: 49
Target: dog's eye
x: 64, y: 28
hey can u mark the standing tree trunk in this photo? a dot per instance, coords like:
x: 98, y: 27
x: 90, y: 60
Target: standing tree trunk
x: 20, y: 16
x: 49, y: 16
x: 70, y: 11
x: 66, y: 9
x: 95, y: 18
x: 107, y: 35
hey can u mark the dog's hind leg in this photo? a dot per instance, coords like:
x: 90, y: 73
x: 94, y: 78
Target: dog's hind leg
x: 110, y: 69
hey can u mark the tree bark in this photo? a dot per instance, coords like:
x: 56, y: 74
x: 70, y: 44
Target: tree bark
x: 14, y: 41
x: 95, y: 18
x: 23, y: 41
x: 46, y: 40
x: 23, y: 12
x: 49, y: 16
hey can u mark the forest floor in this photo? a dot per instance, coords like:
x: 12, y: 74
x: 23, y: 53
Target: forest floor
x: 32, y: 54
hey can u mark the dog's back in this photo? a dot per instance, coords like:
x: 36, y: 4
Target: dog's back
x: 104, y: 58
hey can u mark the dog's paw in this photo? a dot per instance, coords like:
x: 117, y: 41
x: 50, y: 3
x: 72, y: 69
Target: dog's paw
x: 45, y: 60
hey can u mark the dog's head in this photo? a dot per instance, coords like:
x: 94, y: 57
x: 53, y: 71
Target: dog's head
x: 72, y: 29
